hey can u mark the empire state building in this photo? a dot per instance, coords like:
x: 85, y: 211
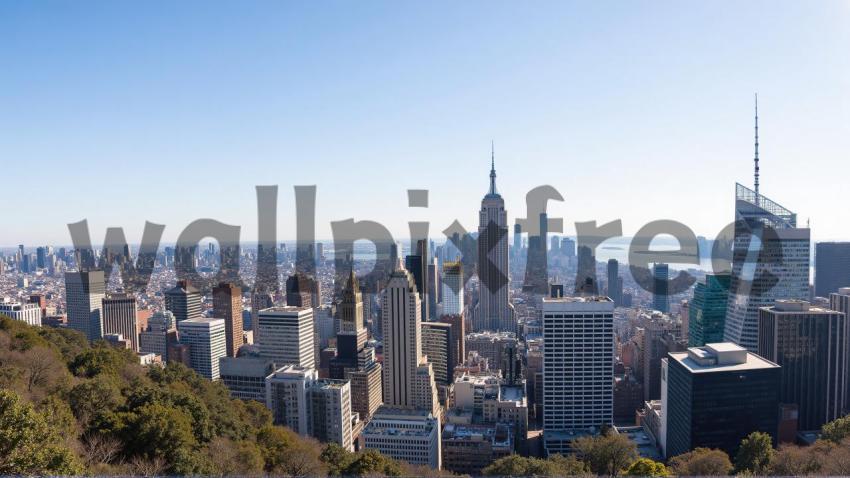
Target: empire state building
x: 493, y: 311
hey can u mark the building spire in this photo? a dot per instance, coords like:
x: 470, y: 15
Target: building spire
x: 492, y: 168
x: 756, y: 157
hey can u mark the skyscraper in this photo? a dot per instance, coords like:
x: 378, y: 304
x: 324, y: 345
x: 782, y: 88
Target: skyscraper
x: 811, y: 346
x: 408, y: 379
x: 300, y: 289
x: 770, y: 260
x: 707, y: 310
x: 207, y: 344
x: 660, y: 276
x: 120, y: 317
x: 227, y: 305
x: 578, y: 368
x: 615, y: 284
x: 452, y: 288
x: 84, y: 293
x: 184, y: 301
x: 494, y: 311
x: 286, y: 335
x: 832, y: 267
x: 437, y: 346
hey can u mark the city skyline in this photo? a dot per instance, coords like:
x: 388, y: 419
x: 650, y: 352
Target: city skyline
x: 605, y: 112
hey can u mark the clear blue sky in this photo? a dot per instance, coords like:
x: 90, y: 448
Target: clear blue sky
x: 170, y: 111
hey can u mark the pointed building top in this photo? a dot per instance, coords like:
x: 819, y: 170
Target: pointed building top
x: 492, y: 191
x: 756, y: 157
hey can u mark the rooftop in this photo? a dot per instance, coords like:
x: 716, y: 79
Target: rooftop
x: 720, y: 357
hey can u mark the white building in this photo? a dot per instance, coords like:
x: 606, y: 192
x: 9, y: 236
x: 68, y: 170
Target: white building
x: 26, y: 312
x: 286, y: 396
x: 329, y: 409
x: 404, y: 434
x: 578, y: 368
x: 207, y: 342
x: 286, y: 335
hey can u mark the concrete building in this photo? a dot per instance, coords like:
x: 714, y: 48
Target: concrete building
x: 496, y: 347
x: 84, y: 293
x: 408, y: 377
x: 329, y: 410
x: 120, y: 317
x: 716, y: 395
x: 286, y: 335
x: 207, y: 344
x: 811, y: 346
x: 286, y: 396
x: 159, y: 334
x: 578, y: 368
x: 25, y: 312
x: 405, y: 434
x: 468, y: 449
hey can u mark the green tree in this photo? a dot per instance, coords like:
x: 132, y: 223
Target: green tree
x: 371, y: 462
x: 701, y: 461
x: 102, y: 359
x: 27, y: 445
x: 647, y: 467
x: 286, y: 453
x: 836, y: 430
x: 234, y: 458
x: 606, y: 454
x: 336, y: 458
x: 511, y: 465
x: 754, y: 454
x: 156, y: 430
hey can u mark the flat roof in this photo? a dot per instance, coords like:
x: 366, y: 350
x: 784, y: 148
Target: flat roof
x: 753, y: 362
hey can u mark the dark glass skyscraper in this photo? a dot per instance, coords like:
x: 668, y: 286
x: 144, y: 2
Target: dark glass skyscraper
x: 707, y: 311
x: 832, y: 267
x: 810, y: 344
x: 716, y: 395
x: 661, y: 277
x: 615, y: 284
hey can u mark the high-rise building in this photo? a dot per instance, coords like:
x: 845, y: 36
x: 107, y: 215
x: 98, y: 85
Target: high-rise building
x: 227, y: 305
x: 417, y: 264
x: 405, y: 434
x: 840, y: 302
x: 811, y: 346
x: 494, y: 310
x: 452, y: 288
x: 568, y: 247
x: 25, y: 312
x: 770, y: 259
x: 832, y: 267
x: 286, y: 335
x: 458, y: 351
x: 408, y: 378
x: 184, y: 301
x: 586, y: 282
x: 578, y: 368
x: 207, y: 344
x: 707, y: 310
x: 714, y: 396
x: 120, y: 317
x: 329, y: 409
x: 660, y: 294
x: 159, y: 335
x: 84, y: 292
x: 615, y: 283
x: 311, y: 406
x: 300, y: 290
x: 286, y: 396
x: 437, y: 346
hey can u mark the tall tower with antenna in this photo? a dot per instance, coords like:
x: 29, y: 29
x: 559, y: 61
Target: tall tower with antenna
x: 756, y: 157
